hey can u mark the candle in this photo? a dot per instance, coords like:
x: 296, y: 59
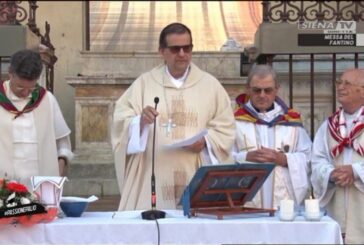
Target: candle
x: 312, y: 208
x: 287, y: 206
x: 286, y: 210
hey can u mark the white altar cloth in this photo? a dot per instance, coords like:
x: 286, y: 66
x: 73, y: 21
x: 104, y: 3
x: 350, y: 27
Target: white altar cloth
x: 129, y: 228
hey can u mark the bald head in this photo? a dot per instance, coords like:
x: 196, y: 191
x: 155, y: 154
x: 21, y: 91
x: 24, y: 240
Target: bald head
x: 356, y: 75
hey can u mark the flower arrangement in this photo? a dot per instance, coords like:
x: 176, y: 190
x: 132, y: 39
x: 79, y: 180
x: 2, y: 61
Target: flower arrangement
x: 19, y: 206
x: 13, y: 194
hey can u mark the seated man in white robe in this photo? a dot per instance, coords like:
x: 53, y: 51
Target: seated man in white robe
x: 270, y: 132
x: 338, y: 158
x: 190, y: 101
x: 34, y: 135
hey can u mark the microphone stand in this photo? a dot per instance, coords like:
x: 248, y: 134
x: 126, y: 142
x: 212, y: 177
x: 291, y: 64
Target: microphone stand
x: 154, y: 213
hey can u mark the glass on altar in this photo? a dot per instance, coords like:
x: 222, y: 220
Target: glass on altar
x: 49, y: 189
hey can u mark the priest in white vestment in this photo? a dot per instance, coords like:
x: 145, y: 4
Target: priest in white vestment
x: 338, y: 158
x: 34, y: 135
x: 190, y: 101
x: 270, y: 132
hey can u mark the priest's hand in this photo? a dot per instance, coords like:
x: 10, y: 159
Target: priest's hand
x: 197, y: 146
x: 147, y: 117
x: 343, y: 175
x: 264, y: 155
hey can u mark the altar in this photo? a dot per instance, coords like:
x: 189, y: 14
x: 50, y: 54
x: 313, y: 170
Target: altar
x: 129, y: 228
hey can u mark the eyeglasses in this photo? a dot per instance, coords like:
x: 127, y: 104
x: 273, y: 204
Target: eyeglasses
x: 268, y: 91
x: 347, y: 83
x: 176, y: 49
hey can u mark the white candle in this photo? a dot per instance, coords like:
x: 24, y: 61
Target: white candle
x: 287, y: 206
x: 312, y: 207
x: 286, y: 209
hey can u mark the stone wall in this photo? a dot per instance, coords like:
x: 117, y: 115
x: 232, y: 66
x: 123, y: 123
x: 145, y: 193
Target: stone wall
x: 67, y: 36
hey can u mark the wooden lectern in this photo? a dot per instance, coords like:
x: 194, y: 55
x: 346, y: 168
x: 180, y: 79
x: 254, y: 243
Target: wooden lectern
x: 221, y: 190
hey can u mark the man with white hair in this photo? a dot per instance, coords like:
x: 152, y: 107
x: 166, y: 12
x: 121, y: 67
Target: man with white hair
x: 338, y: 158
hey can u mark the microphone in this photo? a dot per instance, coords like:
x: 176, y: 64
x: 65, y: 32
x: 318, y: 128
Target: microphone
x: 153, y: 214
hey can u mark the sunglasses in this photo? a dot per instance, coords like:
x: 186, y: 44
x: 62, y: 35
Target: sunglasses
x: 256, y: 90
x: 176, y: 49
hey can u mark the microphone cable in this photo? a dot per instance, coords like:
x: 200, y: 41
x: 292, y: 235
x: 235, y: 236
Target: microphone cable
x: 158, y: 231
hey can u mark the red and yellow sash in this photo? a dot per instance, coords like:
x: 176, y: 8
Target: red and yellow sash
x: 36, y: 98
x: 242, y: 112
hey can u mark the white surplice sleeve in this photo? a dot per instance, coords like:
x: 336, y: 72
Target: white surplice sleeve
x: 137, y: 143
x: 239, y: 156
x: 322, y: 165
x: 64, y: 148
x: 62, y: 131
x: 243, y: 131
x: 298, y: 165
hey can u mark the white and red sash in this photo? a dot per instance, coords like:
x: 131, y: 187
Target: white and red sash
x: 338, y: 130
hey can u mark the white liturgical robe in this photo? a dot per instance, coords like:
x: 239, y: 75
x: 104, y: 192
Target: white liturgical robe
x: 344, y: 204
x: 200, y: 103
x: 290, y: 182
x: 21, y: 147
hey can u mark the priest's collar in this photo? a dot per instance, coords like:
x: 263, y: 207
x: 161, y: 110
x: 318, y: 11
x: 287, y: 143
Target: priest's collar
x: 280, y: 114
x: 355, y: 115
x: 257, y: 110
x: 270, y: 114
x: 178, y: 82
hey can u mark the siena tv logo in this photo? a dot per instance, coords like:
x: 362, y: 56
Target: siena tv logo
x: 339, y: 27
